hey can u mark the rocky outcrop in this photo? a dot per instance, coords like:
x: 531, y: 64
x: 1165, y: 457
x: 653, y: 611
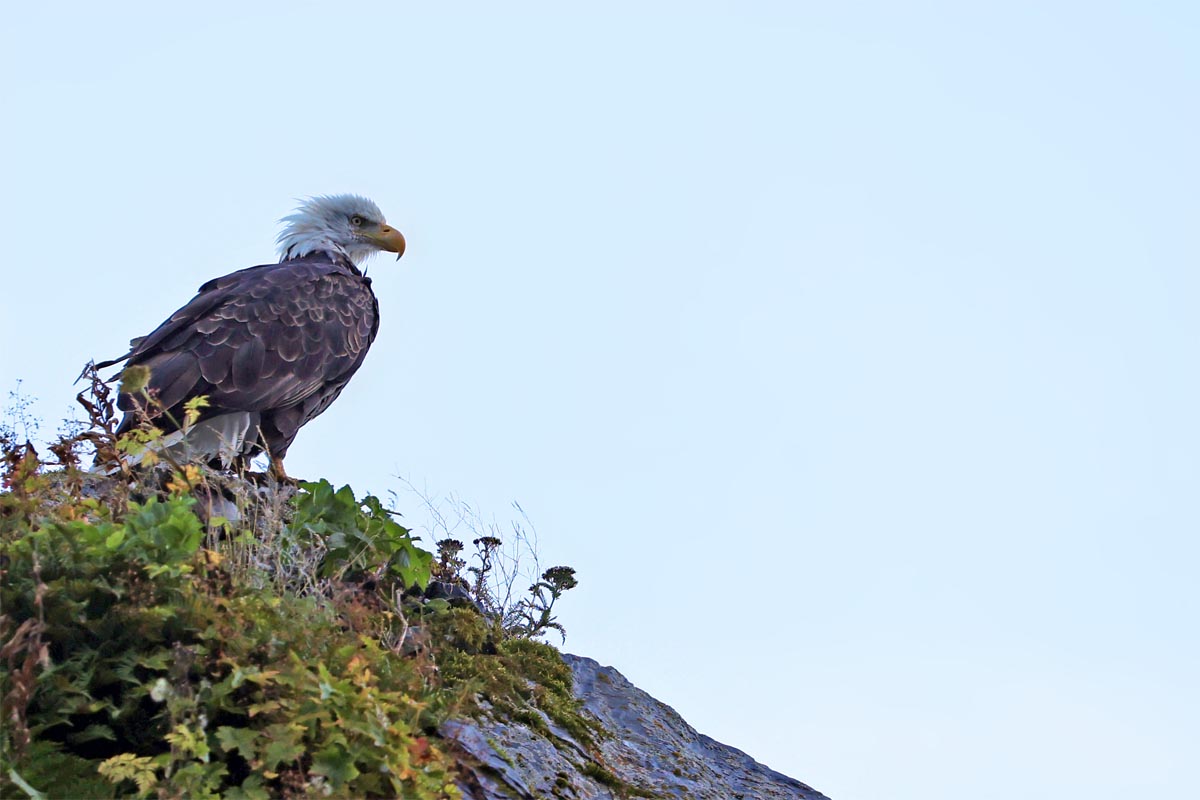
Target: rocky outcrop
x: 651, y: 752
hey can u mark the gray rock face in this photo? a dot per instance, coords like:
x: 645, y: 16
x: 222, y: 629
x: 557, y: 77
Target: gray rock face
x: 653, y: 752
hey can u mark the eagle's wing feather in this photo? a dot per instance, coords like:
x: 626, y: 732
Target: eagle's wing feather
x: 175, y: 328
x: 261, y: 339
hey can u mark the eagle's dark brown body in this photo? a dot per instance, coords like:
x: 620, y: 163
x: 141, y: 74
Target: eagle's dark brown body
x: 276, y: 342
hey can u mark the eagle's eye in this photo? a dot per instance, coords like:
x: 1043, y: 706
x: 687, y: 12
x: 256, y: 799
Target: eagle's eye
x: 357, y: 221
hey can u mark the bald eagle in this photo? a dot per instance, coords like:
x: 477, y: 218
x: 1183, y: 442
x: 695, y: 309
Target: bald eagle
x: 269, y: 346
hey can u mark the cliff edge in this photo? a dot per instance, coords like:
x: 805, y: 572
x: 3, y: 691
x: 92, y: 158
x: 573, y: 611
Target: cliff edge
x: 650, y: 752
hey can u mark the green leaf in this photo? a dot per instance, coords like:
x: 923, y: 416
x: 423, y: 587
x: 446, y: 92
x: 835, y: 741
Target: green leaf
x: 254, y: 709
x: 336, y: 765
x: 189, y: 741
x: 93, y: 732
x: 238, y: 739
x: 251, y: 789
x: 127, y: 766
x: 284, y: 747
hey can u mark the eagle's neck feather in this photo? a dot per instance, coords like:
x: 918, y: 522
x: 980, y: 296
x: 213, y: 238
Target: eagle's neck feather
x: 306, y: 243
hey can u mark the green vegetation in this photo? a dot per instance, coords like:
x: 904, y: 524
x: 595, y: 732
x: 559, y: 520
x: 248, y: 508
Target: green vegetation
x: 619, y: 787
x: 170, y: 632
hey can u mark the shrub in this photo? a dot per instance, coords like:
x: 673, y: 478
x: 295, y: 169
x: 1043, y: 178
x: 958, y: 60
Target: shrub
x: 152, y: 647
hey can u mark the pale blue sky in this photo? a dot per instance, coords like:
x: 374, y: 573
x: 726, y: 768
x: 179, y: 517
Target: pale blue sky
x: 848, y: 351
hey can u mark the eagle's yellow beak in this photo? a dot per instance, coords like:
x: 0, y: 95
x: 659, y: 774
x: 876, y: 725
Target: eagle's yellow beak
x: 388, y: 238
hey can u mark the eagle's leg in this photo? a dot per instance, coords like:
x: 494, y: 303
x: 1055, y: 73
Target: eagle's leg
x: 277, y: 472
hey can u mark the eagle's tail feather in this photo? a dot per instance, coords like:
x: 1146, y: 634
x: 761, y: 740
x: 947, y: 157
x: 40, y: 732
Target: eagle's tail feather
x: 223, y: 438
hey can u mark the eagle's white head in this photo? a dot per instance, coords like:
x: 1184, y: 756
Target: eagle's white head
x: 345, y: 224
